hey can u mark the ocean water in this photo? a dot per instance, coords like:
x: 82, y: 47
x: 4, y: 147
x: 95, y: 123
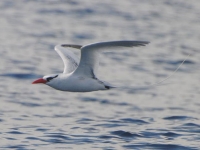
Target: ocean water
x: 39, y: 117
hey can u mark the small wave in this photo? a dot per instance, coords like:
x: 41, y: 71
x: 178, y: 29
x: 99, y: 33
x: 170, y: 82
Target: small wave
x: 15, y: 132
x: 83, y: 36
x: 27, y: 104
x: 20, y: 75
x: 171, y: 134
x: 52, y: 11
x: 147, y: 134
x: 171, y: 62
x: 103, y: 101
x: 191, y: 125
x: 33, y: 138
x: 56, y: 138
x: 106, y: 137
x: 16, y: 146
x: 42, y: 129
x: 178, y: 118
x: 30, y: 104
x: 188, y: 127
x: 134, y: 121
x: 84, y: 121
x: 89, y: 99
x: 158, y: 146
x: 109, y: 125
x: 10, y: 138
x: 122, y: 133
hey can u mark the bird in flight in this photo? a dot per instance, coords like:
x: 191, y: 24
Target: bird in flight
x: 81, y: 77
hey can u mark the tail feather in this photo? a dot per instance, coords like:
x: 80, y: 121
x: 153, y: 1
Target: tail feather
x: 147, y: 87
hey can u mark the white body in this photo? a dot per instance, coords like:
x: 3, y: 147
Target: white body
x: 76, y: 83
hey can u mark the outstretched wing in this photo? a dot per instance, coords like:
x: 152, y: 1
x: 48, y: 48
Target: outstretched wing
x: 70, y: 60
x: 90, y: 55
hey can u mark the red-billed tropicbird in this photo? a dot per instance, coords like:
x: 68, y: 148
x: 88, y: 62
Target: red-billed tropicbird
x: 81, y: 77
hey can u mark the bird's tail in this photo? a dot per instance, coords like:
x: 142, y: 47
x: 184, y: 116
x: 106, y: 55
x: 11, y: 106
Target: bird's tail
x: 147, y: 87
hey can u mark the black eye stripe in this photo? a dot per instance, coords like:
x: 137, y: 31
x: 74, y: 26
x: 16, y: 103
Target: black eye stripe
x: 50, y: 78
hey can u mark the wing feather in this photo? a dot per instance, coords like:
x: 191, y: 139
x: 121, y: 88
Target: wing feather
x: 90, y: 54
x: 70, y: 60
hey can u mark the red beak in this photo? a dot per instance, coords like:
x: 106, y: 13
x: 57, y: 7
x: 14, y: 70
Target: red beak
x: 39, y: 81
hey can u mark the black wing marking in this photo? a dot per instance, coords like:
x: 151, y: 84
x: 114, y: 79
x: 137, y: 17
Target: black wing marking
x: 72, y: 45
x: 50, y: 78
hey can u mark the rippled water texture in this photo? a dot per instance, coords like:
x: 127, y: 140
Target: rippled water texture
x: 39, y: 117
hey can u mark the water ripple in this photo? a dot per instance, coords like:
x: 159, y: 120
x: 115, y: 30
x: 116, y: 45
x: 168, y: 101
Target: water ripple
x: 178, y: 118
x: 134, y: 121
x: 175, y: 62
x: 188, y: 127
x: 20, y: 146
x: 158, y: 146
x: 15, y: 132
x: 103, y: 101
x: 171, y: 134
x: 122, y: 133
x: 20, y: 75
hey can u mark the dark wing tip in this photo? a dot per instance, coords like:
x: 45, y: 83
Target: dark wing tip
x: 72, y: 45
x: 132, y: 43
x: 142, y: 43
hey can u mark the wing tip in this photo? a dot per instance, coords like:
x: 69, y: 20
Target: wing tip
x: 72, y: 45
x: 144, y: 42
x: 141, y: 43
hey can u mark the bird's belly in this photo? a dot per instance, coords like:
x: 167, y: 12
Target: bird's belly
x: 82, y: 85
